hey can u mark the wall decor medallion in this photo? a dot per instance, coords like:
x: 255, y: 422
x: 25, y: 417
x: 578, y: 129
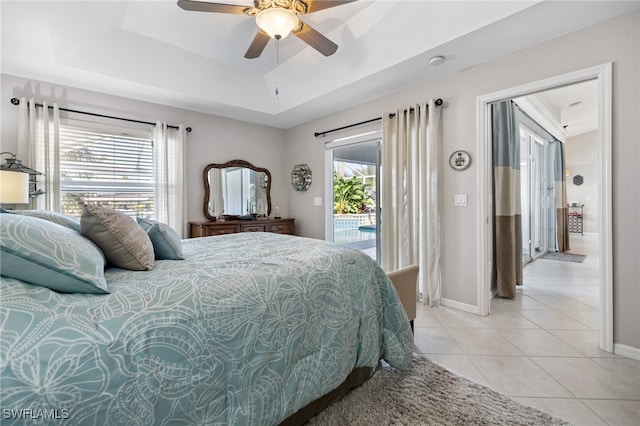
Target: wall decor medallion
x: 578, y: 180
x: 460, y: 160
x: 301, y: 177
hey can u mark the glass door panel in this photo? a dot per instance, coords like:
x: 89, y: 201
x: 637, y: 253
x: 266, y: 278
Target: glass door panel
x: 525, y: 196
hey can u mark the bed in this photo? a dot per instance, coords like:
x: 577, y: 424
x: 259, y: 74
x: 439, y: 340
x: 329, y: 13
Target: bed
x: 247, y: 329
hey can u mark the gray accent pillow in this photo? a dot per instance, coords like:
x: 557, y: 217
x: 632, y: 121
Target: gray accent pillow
x: 44, y: 253
x: 124, y: 243
x: 55, y: 217
x: 166, y: 242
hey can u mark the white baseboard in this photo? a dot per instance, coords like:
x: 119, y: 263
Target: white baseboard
x: 459, y: 306
x: 628, y: 351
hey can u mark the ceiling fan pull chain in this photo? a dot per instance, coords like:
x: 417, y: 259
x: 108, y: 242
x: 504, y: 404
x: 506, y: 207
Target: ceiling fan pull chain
x: 277, y: 62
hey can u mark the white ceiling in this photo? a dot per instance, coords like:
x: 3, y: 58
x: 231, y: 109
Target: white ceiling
x: 157, y: 52
x: 575, y: 107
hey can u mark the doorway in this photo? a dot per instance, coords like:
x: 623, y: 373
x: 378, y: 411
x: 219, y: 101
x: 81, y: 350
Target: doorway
x: 602, y: 74
x: 353, y: 188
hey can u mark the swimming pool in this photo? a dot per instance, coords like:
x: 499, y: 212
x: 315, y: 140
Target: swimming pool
x: 347, y: 229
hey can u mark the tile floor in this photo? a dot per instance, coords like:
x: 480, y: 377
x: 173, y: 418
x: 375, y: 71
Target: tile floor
x: 541, y: 348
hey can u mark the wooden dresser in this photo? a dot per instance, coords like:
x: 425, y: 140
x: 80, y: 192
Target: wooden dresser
x: 207, y: 229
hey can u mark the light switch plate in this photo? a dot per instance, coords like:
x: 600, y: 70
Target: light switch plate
x: 460, y: 200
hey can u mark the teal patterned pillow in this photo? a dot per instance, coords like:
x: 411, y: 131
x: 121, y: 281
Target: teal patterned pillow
x: 55, y: 217
x: 166, y: 242
x: 44, y: 253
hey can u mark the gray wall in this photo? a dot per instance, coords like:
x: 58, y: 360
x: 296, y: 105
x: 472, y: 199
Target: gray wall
x: 582, y: 159
x: 616, y: 41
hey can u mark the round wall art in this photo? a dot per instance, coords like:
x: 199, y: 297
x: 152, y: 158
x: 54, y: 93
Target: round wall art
x: 460, y: 160
x: 578, y: 180
x: 301, y: 177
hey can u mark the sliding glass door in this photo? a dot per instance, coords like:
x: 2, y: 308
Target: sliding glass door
x: 535, y: 194
x: 355, y: 168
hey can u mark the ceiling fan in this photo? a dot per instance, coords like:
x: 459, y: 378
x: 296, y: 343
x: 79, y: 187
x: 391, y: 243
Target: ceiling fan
x: 275, y: 19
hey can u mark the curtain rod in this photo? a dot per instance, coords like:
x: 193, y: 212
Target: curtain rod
x: 16, y: 101
x: 438, y: 102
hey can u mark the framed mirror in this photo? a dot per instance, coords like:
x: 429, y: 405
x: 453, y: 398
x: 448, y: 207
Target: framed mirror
x: 236, y: 189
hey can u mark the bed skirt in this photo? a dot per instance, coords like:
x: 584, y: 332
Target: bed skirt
x: 357, y: 377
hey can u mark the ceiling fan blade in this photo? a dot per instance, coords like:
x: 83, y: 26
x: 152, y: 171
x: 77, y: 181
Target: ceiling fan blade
x: 203, y: 6
x: 316, y: 40
x: 316, y: 5
x: 257, y: 45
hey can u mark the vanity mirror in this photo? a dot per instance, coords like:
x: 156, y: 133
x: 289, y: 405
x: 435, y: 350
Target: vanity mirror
x: 236, y: 189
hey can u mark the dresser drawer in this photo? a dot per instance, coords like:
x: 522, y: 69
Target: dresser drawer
x: 220, y: 230
x: 253, y: 227
x: 282, y: 228
x: 209, y: 229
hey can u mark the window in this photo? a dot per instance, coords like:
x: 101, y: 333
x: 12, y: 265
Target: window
x: 107, y: 167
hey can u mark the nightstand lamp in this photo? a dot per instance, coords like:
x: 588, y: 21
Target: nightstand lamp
x: 15, y: 181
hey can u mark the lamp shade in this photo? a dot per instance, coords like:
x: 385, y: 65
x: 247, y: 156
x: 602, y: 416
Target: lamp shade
x: 277, y: 22
x: 14, y: 187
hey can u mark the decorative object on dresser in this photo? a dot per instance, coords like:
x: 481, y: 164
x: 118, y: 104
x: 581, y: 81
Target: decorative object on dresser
x: 236, y: 188
x: 221, y: 227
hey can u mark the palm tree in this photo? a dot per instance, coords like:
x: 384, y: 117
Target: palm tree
x: 349, y: 195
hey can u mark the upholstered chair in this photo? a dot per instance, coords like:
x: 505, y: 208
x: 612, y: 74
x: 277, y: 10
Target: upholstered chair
x: 405, y: 281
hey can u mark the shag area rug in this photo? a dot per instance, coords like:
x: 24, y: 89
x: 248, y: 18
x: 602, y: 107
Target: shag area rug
x: 565, y: 257
x: 428, y: 394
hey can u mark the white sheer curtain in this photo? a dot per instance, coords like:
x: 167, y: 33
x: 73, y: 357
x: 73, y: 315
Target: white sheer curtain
x: 38, y: 148
x: 170, y: 190
x: 410, y: 223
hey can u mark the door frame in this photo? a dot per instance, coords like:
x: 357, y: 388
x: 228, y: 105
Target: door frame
x: 603, y: 74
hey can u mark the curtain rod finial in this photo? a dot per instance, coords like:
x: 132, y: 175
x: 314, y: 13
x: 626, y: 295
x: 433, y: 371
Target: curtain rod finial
x: 15, y: 101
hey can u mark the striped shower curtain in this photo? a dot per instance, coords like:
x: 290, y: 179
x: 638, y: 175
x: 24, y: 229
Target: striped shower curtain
x: 557, y: 161
x: 507, y: 226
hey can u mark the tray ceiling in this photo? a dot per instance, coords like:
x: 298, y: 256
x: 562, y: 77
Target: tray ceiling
x: 157, y: 52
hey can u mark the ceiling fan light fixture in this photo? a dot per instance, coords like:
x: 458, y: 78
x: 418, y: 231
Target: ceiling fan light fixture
x: 277, y: 22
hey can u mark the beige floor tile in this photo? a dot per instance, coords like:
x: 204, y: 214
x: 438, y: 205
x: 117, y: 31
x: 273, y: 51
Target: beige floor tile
x: 451, y: 318
x: 538, y: 343
x: 591, y: 301
x: 424, y: 317
x: 622, y: 367
x: 584, y: 341
x: 508, y: 319
x: 482, y: 341
x: 526, y: 303
x: 562, y: 303
x: 589, y: 318
x: 552, y: 320
x: 461, y: 365
x: 518, y: 376
x: 585, y: 378
x: 435, y: 341
x: 570, y: 410
x: 619, y: 413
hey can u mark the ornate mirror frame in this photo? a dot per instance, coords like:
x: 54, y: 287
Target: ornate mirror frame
x: 232, y: 163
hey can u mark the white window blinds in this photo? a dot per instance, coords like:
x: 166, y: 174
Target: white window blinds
x: 106, y: 167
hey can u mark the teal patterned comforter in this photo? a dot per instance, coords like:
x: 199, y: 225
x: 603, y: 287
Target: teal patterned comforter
x: 246, y: 330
